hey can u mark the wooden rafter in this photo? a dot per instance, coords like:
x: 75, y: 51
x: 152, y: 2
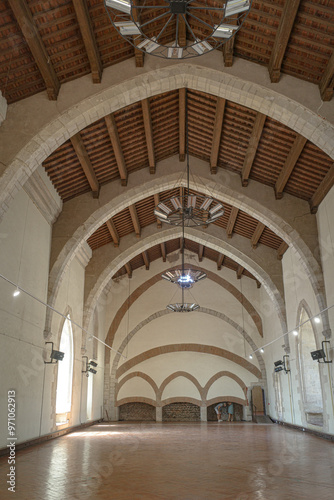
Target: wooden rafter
x: 200, y: 252
x: 85, y: 162
x: 148, y: 133
x: 163, y: 251
x: 139, y: 54
x: 289, y: 165
x: 229, y: 45
x: 240, y: 270
x: 281, y: 250
x: 146, y: 260
x: 322, y: 190
x: 326, y: 84
x: 258, y: 284
x: 86, y: 28
x: 257, y: 234
x: 113, y: 232
x: 182, y: 34
x: 252, y: 147
x: 220, y: 261
x: 283, y: 34
x: 135, y: 220
x: 182, y: 124
x: 231, y: 221
x: 156, y: 202
x: 31, y: 34
x: 128, y: 269
x: 113, y: 134
x: 217, y: 130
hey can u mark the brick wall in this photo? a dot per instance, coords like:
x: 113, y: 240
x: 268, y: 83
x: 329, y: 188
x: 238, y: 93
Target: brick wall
x: 178, y: 412
x: 212, y: 416
x: 137, y: 411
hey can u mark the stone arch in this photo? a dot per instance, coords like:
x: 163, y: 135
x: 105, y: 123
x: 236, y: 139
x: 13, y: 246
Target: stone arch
x: 134, y: 375
x: 225, y: 399
x: 221, y: 374
x: 157, y: 278
x: 175, y: 375
x: 167, y: 349
x: 148, y: 401
x: 109, y: 100
x: 194, y: 235
x: 169, y: 401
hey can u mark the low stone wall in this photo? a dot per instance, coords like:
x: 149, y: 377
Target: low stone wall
x: 181, y: 412
x: 137, y: 411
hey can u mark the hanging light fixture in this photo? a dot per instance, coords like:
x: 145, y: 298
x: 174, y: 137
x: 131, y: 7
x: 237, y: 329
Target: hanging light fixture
x: 177, y: 29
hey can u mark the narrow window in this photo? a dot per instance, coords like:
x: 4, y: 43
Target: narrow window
x: 65, y: 373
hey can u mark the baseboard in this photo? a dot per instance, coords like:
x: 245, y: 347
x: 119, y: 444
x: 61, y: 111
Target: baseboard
x: 320, y: 434
x: 47, y: 437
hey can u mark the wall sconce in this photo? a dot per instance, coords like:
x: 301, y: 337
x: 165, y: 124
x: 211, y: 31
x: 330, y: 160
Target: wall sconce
x: 320, y: 353
x: 88, y: 366
x: 56, y: 355
x: 282, y: 365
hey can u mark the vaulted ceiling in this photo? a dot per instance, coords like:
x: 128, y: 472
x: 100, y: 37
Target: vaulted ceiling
x: 44, y: 44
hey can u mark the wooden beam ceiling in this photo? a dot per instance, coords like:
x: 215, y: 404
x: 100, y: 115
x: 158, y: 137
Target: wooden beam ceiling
x: 231, y: 221
x: 156, y: 202
x: 240, y: 270
x: 282, y: 38
x: 257, y: 234
x: 85, y: 25
x: 200, y: 252
x: 135, y: 220
x: 182, y: 124
x: 139, y: 54
x: 322, y: 190
x: 182, y: 34
x: 148, y: 133
x: 113, y: 232
x: 326, y: 84
x: 220, y: 261
x: 146, y: 260
x: 35, y: 43
x: 252, y: 147
x: 113, y: 134
x: 289, y: 165
x: 217, y: 131
x: 128, y: 269
x: 282, y: 249
x: 163, y: 251
x: 85, y: 162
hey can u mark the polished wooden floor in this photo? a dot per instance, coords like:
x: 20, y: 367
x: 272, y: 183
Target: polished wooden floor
x: 183, y: 461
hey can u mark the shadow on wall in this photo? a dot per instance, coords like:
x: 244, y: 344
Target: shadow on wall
x: 212, y: 416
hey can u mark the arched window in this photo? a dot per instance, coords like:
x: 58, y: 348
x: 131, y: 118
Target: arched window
x: 65, y: 370
x: 310, y: 376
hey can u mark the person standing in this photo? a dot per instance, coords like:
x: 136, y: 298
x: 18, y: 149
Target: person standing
x: 218, y: 410
x: 230, y: 412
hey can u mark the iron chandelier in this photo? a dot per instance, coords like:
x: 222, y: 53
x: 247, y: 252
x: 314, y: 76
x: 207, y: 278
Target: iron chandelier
x: 177, y: 29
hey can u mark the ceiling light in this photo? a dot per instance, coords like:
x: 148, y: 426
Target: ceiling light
x: 56, y: 355
x: 184, y: 278
x: 317, y: 319
x: 208, y: 25
x: 16, y: 292
x: 128, y: 28
x: 261, y: 350
x: 183, y: 307
x: 295, y: 332
x: 250, y: 356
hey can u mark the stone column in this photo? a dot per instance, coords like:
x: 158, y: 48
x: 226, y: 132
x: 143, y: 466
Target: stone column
x: 158, y: 414
x: 204, y: 414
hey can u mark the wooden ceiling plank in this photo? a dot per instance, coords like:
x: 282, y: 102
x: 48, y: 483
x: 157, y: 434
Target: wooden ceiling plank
x: 135, y: 220
x: 182, y: 33
x: 231, y: 221
x: 200, y: 252
x: 87, y: 32
x: 156, y: 202
x: 252, y: 147
x: 282, y: 38
x: 148, y: 133
x: 182, y: 124
x: 326, y: 84
x: 128, y: 269
x: 281, y: 250
x: 113, y: 134
x: 217, y: 131
x: 322, y: 190
x: 220, y: 261
x: 113, y: 232
x: 85, y: 163
x: 240, y: 270
x: 146, y: 260
x: 257, y: 234
x: 163, y: 251
x: 139, y: 54
x: 31, y: 34
x: 289, y: 165
x: 229, y: 45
